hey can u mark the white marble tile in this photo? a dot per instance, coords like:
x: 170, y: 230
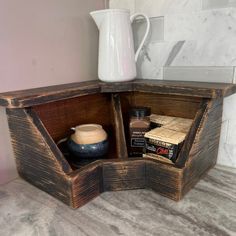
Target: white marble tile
x: 149, y: 71
x: 212, y: 46
x: 200, y: 53
x: 201, y: 74
x: 234, y: 80
x: 222, y: 157
x: 210, y: 37
x: 218, y: 23
x: 152, y: 59
x: 212, y: 4
x: 231, y: 134
x: 163, y: 7
x: 227, y: 154
x: 229, y: 108
x: 126, y: 4
x: 161, y: 53
x: 181, y: 54
x: 227, y: 148
x: 224, y: 131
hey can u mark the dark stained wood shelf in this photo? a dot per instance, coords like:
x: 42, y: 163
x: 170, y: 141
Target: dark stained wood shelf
x: 39, y: 118
x: 37, y: 96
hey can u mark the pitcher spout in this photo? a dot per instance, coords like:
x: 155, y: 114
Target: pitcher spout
x: 98, y: 17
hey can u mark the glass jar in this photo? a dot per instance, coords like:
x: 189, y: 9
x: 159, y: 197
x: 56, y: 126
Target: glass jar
x: 139, y: 124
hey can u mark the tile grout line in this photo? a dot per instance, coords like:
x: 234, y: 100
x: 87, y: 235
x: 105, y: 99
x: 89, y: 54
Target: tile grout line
x: 234, y: 75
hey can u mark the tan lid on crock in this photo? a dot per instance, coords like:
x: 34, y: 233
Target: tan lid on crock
x: 89, y: 134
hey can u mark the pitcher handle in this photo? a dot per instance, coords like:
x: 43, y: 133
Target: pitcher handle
x: 145, y: 35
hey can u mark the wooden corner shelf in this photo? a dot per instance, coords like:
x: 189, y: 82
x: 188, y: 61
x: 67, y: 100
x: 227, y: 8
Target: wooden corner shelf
x: 39, y: 118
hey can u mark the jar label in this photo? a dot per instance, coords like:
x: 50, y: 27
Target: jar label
x: 137, y: 137
x: 137, y: 142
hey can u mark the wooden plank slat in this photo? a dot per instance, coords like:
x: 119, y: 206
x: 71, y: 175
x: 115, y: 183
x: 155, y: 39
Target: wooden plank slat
x: 48, y: 139
x: 87, y: 184
x: 164, y: 179
x: 124, y: 175
x: 35, y: 159
x: 37, y: 96
x: 193, y: 89
x: 184, y: 153
x: 121, y: 146
x: 203, y: 153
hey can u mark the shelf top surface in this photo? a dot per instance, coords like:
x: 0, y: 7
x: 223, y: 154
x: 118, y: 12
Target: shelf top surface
x: 37, y: 96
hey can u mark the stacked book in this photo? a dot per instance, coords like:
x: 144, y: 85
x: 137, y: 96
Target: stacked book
x: 166, y: 138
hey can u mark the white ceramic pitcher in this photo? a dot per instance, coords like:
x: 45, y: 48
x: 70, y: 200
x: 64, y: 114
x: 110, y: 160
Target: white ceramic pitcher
x: 117, y: 60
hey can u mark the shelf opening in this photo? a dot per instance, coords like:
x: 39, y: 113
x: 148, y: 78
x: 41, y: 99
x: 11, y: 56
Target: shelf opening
x: 167, y: 105
x: 60, y: 116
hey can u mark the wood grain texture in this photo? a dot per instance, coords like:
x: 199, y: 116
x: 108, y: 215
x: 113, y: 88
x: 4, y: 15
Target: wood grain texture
x: 58, y: 117
x: 117, y: 87
x: 48, y: 139
x: 192, y: 89
x: 184, y: 152
x: 32, y: 97
x: 37, y: 96
x: 121, y: 147
x: 164, y: 179
x: 34, y: 158
x: 87, y: 184
x: 36, y: 130
x: 203, y: 153
x: 123, y: 175
x: 169, y: 105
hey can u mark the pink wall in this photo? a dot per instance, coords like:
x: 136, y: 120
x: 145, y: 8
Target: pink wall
x: 43, y: 43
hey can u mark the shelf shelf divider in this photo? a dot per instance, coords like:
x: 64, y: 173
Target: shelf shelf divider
x: 121, y: 146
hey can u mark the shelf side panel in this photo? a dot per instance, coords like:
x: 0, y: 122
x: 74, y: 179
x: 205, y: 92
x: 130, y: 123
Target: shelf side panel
x: 204, y: 151
x: 35, y: 161
x: 87, y: 184
x: 185, y: 150
x: 60, y: 159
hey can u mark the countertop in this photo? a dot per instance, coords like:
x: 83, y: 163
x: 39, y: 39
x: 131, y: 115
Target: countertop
x: 208, y: 209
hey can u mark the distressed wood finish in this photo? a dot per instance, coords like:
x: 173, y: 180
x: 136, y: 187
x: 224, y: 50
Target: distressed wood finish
x: 33, y: 97
x: 123, y: 175
x: 171, y: 105
x: 39, y: 118
x: 121, y: 146
x: 35, y: 160
x: 58, y: 117
x: 184, y: 152
x: 203, y: 153
x: 164, y: 179
x: 87, y: 184
x: 192, y: 89
x: 37, y: 96
x: 48, y: 139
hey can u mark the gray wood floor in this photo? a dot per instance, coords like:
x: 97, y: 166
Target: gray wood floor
x: 209, y: 209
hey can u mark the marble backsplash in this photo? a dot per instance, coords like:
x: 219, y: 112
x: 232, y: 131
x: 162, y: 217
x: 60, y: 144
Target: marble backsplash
x: 191, y: 40
x: 155, y: 8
